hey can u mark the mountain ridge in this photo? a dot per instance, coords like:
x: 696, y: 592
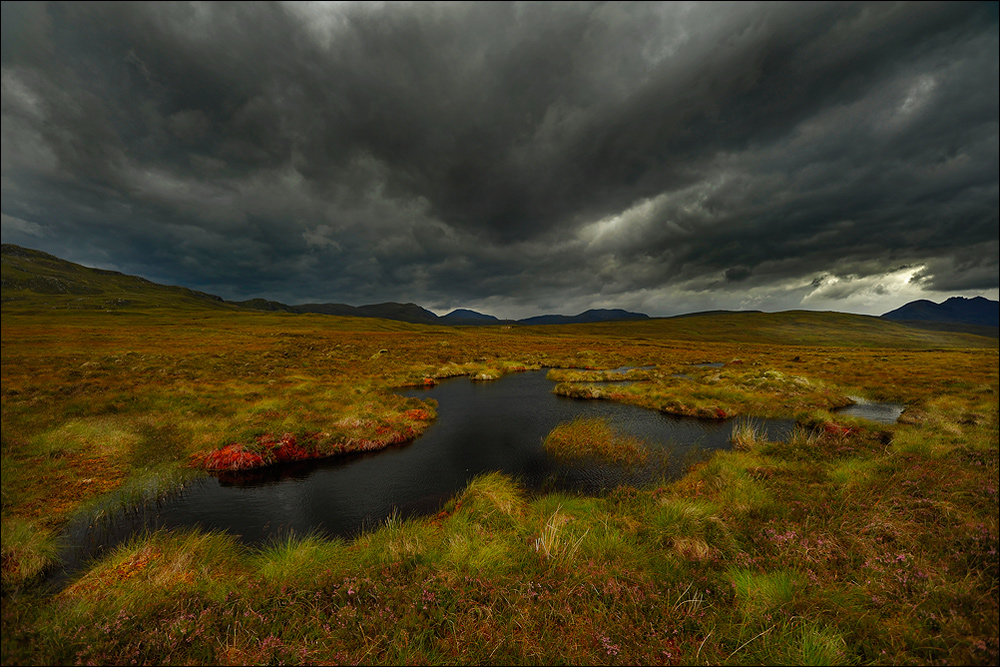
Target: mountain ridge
x: 977, y: 312
x: 36, y: 276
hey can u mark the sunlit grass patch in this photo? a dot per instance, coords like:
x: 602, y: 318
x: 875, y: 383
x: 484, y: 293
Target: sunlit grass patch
x: 759, y: 593
x: 295, y: 560
x: 100, y: 436
x: 27, y: 552
x: 790, y: 643
x: 494, y: 501
x: 820, y: 645
x: 612, y: 539
x: 851, y: 473
x: 153, y: 567
x: 594, y: 438
x: 729, y: 477
x: 472, y: 551
x: 747, y: 434
x: 692, y: 528
x: 397, y: 541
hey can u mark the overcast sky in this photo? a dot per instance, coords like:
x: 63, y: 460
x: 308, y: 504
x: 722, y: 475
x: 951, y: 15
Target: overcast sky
x: 514, y: 159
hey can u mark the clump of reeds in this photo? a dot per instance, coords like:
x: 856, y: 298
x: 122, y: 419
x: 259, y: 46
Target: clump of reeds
x: 593, y: 438
x: 554, y: 543
x: 747, y: 434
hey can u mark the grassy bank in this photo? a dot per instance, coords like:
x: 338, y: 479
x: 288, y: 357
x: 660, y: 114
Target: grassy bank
x: 859, y: 545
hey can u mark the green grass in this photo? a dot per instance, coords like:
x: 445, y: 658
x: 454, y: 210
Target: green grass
x: 27, y: 552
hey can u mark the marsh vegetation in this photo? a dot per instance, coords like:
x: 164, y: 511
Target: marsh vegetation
x: 846, y: 542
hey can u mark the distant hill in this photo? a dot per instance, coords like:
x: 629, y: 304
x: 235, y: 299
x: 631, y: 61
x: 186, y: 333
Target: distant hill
x: 465, y: 316
x: 586, y: 317
x: 978, y: 310
x: 402, y: 312
x: 36, y: 279
x: 977, y: 315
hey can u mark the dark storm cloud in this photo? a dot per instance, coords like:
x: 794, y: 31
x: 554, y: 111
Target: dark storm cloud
x: 524, y: 156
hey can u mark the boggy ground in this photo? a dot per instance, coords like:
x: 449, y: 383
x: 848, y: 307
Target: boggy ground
x: 869, y: 544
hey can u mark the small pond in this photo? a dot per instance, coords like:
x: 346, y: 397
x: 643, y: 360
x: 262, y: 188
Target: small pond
x: 883, y: 413
x: 480, y: 427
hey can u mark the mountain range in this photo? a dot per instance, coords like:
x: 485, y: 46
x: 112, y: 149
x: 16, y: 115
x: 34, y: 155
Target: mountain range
x: 411, y: 312
x: 35, y: 278
x: 31, y: 274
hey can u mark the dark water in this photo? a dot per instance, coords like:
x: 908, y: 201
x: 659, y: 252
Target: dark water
x: 481, y: 427
x: 883, y: 413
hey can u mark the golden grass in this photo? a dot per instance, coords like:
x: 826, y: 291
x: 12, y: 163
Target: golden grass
x: 585, y: 438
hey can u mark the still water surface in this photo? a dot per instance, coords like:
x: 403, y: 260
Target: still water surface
x: 880, y: 412
x: 480, y: 427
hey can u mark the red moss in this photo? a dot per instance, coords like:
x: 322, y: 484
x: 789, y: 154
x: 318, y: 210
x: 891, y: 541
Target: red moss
x: 837, y: 429
x: 269, y: 449
x: 232, y: 457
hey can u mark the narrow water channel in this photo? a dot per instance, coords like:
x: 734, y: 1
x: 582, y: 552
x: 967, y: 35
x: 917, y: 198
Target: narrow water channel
x: 480, y: 427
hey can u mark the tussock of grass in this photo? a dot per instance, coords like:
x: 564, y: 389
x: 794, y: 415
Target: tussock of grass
x: 493, y: 500
x: 471, y: 552
x: 593, y: 438
x: 693, y: 529
x: 853, y: 473
x: 803, y: 436
x: 747, y: 434
x: 761, y: 593
x: 27, y: 552
x: 555, y: 542
x: 397, y: 541
x: 147, y: 569
x: 821, y: 646
x: 296, y: 560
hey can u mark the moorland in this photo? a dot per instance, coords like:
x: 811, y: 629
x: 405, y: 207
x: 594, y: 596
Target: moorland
x: 850, y: 543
